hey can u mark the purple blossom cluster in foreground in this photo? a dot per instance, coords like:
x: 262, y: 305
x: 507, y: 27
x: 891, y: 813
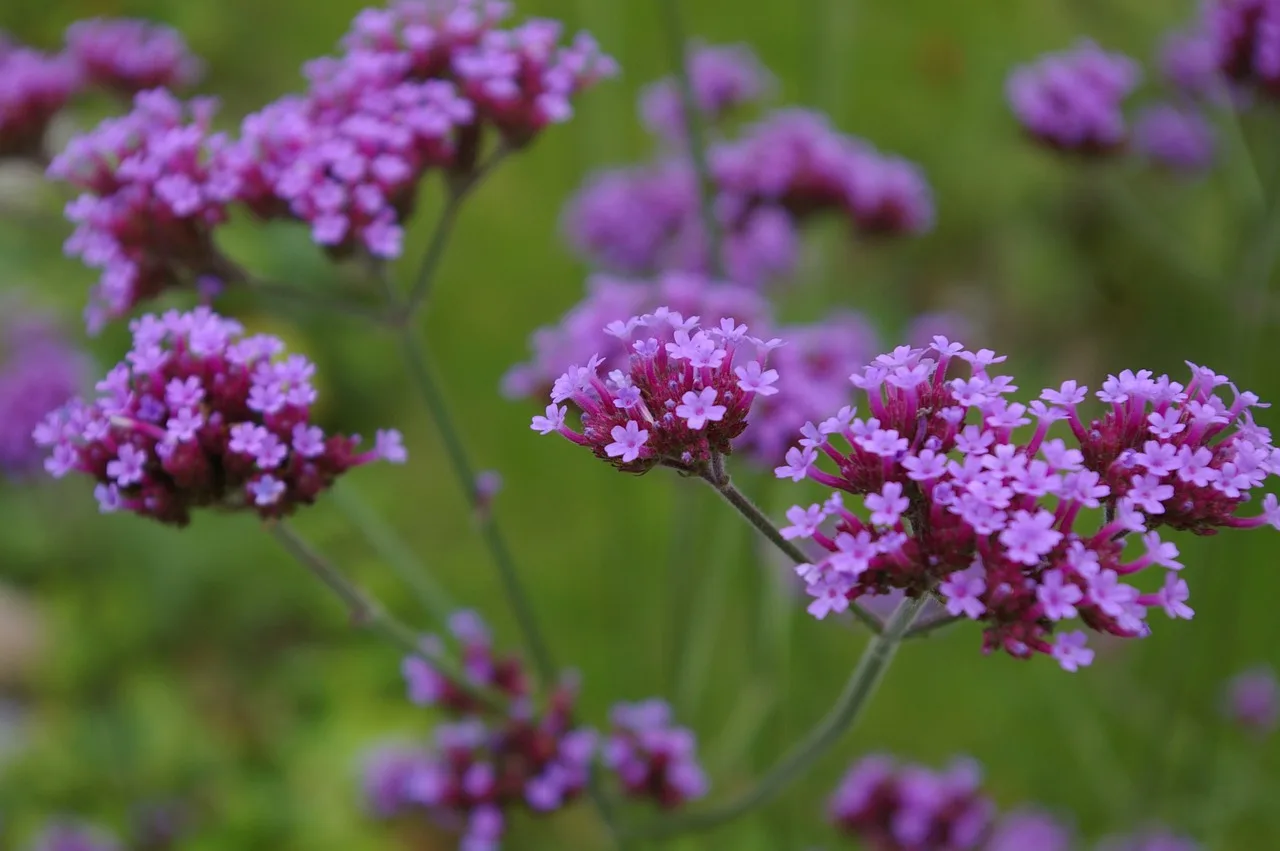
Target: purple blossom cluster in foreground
x: 490, y: 760
x: 777, y: 175
x: 683, y: 397
x: 954, y: 504
x: 199, y: 415
x: 39, y: 371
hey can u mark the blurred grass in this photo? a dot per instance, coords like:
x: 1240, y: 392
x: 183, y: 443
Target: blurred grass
x: 202, y: 664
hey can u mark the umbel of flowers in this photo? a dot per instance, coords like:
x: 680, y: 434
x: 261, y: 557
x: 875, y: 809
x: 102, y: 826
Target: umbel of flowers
x: 682, y: 399
x: 1003, y: 528
x: 199, y: 414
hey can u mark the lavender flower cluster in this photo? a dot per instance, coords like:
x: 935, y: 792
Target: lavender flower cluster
x: 996, y: 528
x: 490, y: 761
x: 200, y: 415
x: 780, y: 173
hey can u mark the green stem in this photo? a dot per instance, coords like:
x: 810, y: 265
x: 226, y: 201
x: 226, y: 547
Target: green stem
x: 817, y: 743
x: 678, y: 47
x: 686, y: 510
x: 929, y: 627
x: 394, y: 551
x: 757, y: 518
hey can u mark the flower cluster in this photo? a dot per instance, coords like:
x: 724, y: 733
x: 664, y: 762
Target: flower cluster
x: 653, y: 758
x: 155, y: 187
x: 956, y: 506
x: 1253, y: 700
x: 34, y: 87
x: 1072, y: 100
x: 485, y: 763
x: 1152, y: 839
x: 723, y: 78
x: 911, y: 808
x: 1029, y: 830
x: 200, y: 415
x: 39, y: 371
x: 1178, y: 138
x: 583, y: 331
x: 1245, y: 40
x: 129, y: 56
x: 682, y: 400
x: 66, y: 835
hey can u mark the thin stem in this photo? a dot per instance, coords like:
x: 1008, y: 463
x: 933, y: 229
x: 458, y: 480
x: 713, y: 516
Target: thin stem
x: 394, y: 551
x: 456, y: 193
x: 421, y: 373
x: 678, y: 47
x: 686, y: 510
x: 334, y: 302
x: 757, y: 518
x: 818, y: 742
x: 928, y: 627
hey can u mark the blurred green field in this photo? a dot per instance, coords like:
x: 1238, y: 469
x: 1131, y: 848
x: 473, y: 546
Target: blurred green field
x: 204, y: 665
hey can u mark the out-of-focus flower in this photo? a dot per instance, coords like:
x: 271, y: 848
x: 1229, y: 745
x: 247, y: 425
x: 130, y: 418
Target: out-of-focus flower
x: 128, y: 56
x: 1253, y: 700
x: 722, y: 77
x: 994, y: 522
x: 1245, y: 39
x: 816, y: 362
x: 912, y: 808
x: 68, y: 835
x: 489, y: 760
x: 1189, y: 63
x: 34, y: 86
x: 582, y: 332
x: 1178, y: 138
x: 155, y: 188
x: 1153, y: 839
x: 653, y: 758
x: 40, y: 370
x: 682, y: 399
x: 200, y: 416
x: 1072, y: 100
x: 1029, y: 830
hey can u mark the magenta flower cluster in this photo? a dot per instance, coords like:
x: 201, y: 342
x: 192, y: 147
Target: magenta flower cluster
x: 777, y: 175
x: 682, y: 399
x: 155, y: 185
x: 199, y: 415
x: 485, y: 763
x: 723, y: 77
x: 653, y: 758
x: 40, y: 370
x: 956, y: 506
x: 1253, y: 700
x: 34, y: 87
x: 892, y: 807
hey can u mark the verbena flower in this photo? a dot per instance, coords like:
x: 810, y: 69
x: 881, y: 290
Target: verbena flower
x: 1253, y: 700
x: 816, y: 361
x: 723, y: 78
x: 582, y: 332
x: 892, y: 807
x: 128, y: 56
x: 1152, y: 839
x: 155, y: 188
x: 34, y: 87
x: 488, y: 762
x: 67, y: 835
x: 419, y: 85
x: 39, y: 371
x: 652, y: 758
x: 1189, y: 62
x: 682, y: 398
x: 1072, y: 100
x: 955, y: 505
x: 1245, y: 36
x: 386, y: 772
x: 1178, y: 138
x: 1029, y: 830
x: 796, y: 160
x: 200, y: 415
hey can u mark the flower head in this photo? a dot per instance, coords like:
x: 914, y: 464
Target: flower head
x: 199, y: 415
x: 130, y: 56
x: 997, y: 523
x: 723, y: 78
x: 1244, y: 39
x: 1071, y: 101
x: 690, y: 403
x: 65, y: 835
x: 1253, y: 700
x: 1029, y: 830
x: 904, y: 808
x: 651, y: 757
x: 1177, y: 138
x: 34, y: 87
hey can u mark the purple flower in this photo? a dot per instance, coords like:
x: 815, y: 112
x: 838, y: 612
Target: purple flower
x: 1071, y: 101
x: 1253, y: 700
x: 1152, y: 839
x: 68, y: 835
x: 651, y: 757
x: 35, y: 87
x: 161, y: 462
x: 628, y: 442
x: 39, y: 371
x: 1029, y: 830
x: 1245, y: 39
x: 723, y: 78
x: 386, y: 774
x: 130, y: 56
x: 1177, y: 138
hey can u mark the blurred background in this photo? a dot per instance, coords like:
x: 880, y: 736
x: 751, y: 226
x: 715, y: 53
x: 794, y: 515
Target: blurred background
x: 142, y: 666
